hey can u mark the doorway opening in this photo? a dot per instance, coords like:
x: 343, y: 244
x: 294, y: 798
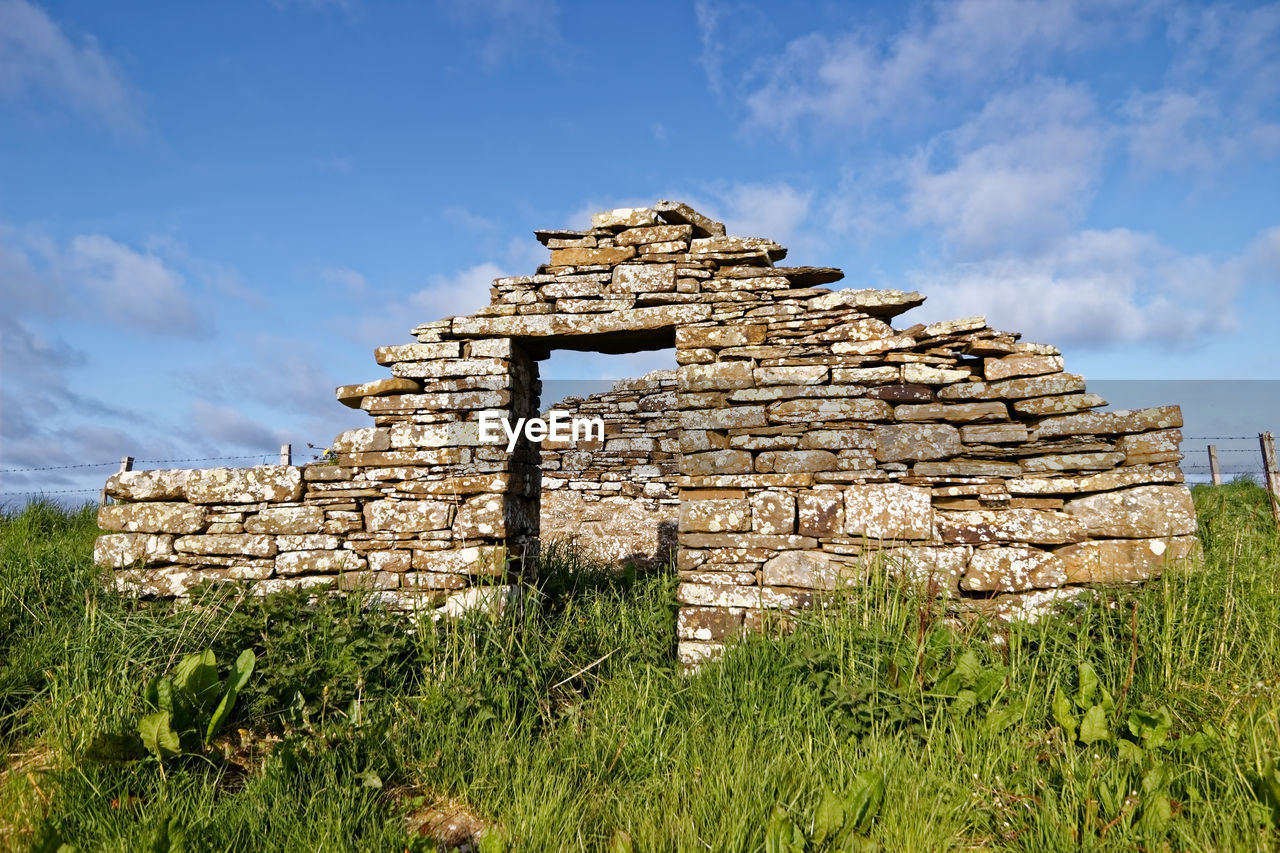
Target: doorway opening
x: 614, y: 499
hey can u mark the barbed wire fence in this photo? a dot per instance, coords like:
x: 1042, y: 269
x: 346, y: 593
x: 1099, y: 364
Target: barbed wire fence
x: 128, y: 463
x: 1239, y: 461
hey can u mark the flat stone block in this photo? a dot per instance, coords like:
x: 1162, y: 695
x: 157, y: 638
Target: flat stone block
x: 121, y: 550
x: 1138, y: 513
x: 293, y: 519
x: 264, y: 484
x: 585, y: 257
x: 994, y: 434
x: 1020, y: 365
x: 959, y: 412
x: 644, y: 278
x: 417, y: 352
x: 689, y: 337
x: 353, y: 395
x: 246, y: 544
x: 1037, y: 407
x: 817, y: 411
x: 937, y: 568
x: 482, y: 516
x: 407, y: 516
x: 1109, y: 423
x: 820, y: 513
x: 158, y: 485
x: 888, y: 512
x: 729, y: 595
x: 773, y: 512
x: 794, y: 461
x: 966, y: 468
x: 916, y: 442
x: 718, y: 376
x: 791, y: 375
x: 1151, y: 448
x: 714, y: 516
x: 707, y: 623
x: 1072, y: 462
x: 924, y: 374
x: 159, y: 517
x: 1124, y: 560
x: 1034, y: 526
x: 319, y: 563
x: 390, y: 561
x: 716, y: 462
x: 1012, y: 569
x: 1105, y: 481
x: 810, y: 570
x: 1015, y: 389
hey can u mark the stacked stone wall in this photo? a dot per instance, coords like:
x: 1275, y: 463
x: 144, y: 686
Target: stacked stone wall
x: 813, y: 443
x: 616, y: 499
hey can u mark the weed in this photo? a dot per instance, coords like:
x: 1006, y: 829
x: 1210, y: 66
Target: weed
x: 1148, y: 717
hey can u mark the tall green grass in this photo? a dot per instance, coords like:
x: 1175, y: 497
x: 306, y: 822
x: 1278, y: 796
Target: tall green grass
x: 566, y: 725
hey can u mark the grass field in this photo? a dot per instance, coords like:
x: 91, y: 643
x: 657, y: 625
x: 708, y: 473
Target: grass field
x: 1147, y: 719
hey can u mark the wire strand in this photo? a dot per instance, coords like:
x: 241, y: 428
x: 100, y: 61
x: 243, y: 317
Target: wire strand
x: 264, y: 455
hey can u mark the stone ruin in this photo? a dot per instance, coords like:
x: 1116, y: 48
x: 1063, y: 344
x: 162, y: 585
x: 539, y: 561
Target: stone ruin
x: 802, y: 444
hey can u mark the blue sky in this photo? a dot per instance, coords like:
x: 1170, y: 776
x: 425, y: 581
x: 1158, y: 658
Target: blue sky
x: 210, y: 213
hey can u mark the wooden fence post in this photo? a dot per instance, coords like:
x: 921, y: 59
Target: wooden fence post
x: 1268, y: 442
x: 1213, y: 466
x: 126, y: 464
x: 286, y: 454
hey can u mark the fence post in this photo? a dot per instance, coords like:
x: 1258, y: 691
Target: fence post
x: 1213, y: 466
x: 1268, y: 442
x: 286, y: 454
x: 126, y: 464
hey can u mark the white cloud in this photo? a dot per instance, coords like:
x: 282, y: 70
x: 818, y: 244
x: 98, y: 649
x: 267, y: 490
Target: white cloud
x: 469, y: 221
x: 775, y: 210
x: 1018, y: 174
x: 1261, y: 260
x: 1022, y: 171
x: 707, y: 15
x: 860, y: 78
x: 1219, y: 98
x: 97, y: 279
x: 135, y: 290
x: 462, y: 293
x: 284, y: 374
x: 272, y: 390
x: 723, y: 28
x: 1098, y: 287
x: 509, y: 28
x: 1235, y: 46
x: 1176, y: 131
x: 345, y: 277
x: 231, y: 428
x: 51, y: 413
x: 45, y: 421
x: 39, y: 61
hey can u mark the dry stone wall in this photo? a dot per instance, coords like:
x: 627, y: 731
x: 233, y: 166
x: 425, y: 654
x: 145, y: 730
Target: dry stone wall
x: 812, y: 444
x: 616, y: 499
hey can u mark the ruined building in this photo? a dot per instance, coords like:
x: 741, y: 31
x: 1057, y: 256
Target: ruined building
x: 802, y: 443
